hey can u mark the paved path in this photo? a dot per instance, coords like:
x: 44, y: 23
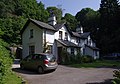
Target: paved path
x: 68, y: 75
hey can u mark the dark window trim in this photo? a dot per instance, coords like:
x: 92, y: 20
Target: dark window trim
x: 60, y: 35
x: 31, y: 33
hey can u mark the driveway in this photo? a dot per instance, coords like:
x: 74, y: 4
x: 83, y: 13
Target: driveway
x: 68, y: 75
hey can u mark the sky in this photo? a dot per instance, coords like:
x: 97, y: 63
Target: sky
x: 72, y: 6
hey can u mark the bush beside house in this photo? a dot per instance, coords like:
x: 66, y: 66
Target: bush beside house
x: 67, y: 58
x: 5, y: 64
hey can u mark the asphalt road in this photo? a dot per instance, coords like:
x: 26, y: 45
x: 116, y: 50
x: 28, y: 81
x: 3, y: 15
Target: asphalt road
x: 68, y: 75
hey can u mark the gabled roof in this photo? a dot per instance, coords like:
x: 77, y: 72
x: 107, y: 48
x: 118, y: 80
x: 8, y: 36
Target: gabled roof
x: 76, y: 34
x: 82, y: 35
x: 39, y: 24
x: 58, y: 26
x: 85, y: 35
x: 93, y: 48
x: 67, y: 43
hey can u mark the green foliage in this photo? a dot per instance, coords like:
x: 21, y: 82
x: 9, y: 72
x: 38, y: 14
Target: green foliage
x: 109, y: 26
x: 71, y: 21
x: 5, y: 62
x: 89, y: 19
x: 11, y: 29
x: 97, y: 63
x: 14, y: 14
x: 87, y: 59
x: 67, y: 58
x: 116, y: 74
x: 57, y: 12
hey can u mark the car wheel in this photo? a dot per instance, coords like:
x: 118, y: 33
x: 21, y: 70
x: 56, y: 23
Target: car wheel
x: 22, y: 66
x: 40, y: 70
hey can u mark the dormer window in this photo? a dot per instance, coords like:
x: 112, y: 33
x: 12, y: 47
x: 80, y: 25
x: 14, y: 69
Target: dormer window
x: 66, y: 36
x: 31, y: 33
x: 60, y: 34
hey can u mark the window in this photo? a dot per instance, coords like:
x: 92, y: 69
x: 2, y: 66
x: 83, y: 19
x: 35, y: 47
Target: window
x: 31, y: 49
x: 66, y: 36
x: 96, y: 54
x: 60, y: 34
x: 72, y: 51
x: 83, y: 51
x: 78, y: 40
x: 31, y: 33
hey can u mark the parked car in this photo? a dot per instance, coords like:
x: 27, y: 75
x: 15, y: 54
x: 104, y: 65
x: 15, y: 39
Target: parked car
x: 41, y: 62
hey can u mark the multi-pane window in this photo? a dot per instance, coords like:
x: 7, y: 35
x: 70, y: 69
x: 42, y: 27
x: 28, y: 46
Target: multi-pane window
x: 72, y: 51
x: 31, y: 33
x: 31, y: 49
x: 66, y: 36
x: 60, y: 34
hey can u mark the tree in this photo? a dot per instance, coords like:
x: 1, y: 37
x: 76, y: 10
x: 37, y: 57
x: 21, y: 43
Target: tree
x: 13, y: 15
x: 108, y: 33
x: 71, y: 21
x: 42, y: 14
x: 57, y: 12
x: 89, y: 19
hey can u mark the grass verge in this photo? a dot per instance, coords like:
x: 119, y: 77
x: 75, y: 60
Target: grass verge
x: 98, y: 63
x: 12, y: 78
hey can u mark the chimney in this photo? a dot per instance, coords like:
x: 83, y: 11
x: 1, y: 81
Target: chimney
x: 79, y: 30
x: 52, y: 20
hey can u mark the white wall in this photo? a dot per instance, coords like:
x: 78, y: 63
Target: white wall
x: 91, y: 52
x: 35, y: 41
x: 50, y: 36
x: 74, y: 40
x: 63, y: 29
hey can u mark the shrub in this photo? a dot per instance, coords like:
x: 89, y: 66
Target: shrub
x: 78, y: 58
x: 87, y: 59
x: 65, y: 57
x: 116, y: 74
x: 5, y: 62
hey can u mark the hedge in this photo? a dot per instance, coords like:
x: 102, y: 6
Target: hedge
x: 5, y: 61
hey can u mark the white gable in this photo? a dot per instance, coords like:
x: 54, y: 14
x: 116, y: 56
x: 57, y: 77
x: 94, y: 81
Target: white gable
x: 63, y: 30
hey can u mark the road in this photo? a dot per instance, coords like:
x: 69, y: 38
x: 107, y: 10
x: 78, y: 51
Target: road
x: 68, y: 75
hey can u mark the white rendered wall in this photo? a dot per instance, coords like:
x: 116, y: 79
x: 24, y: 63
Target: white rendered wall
x: 35, y: 41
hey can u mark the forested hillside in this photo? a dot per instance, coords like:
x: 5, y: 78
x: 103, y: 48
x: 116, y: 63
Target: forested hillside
x: 103, y: 24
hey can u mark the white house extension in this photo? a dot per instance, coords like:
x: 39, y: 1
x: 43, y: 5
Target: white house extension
x: 39, y: 37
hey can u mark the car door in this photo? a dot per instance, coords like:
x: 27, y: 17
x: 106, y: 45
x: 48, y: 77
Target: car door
x: 27, y: 61
x: 36, y: 61
x: 32, y: 62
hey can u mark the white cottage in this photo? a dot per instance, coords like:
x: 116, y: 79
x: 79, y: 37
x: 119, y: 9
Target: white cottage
x: 38, y: 37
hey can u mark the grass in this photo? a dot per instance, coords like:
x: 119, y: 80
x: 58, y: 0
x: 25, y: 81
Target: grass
x: 12, y: 78
x: 98, y: 63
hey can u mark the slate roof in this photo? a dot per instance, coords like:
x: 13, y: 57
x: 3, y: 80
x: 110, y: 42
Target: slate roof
x: 55, y: 28
x: 39, y: 24
x: 76, y: 34
x: 85, y: 35
x: 67, y: 43
x: 82, y: 35
x: 58, y: 26
x: 93, y: 48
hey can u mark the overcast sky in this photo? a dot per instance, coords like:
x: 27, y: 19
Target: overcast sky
x: 72, y: 6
